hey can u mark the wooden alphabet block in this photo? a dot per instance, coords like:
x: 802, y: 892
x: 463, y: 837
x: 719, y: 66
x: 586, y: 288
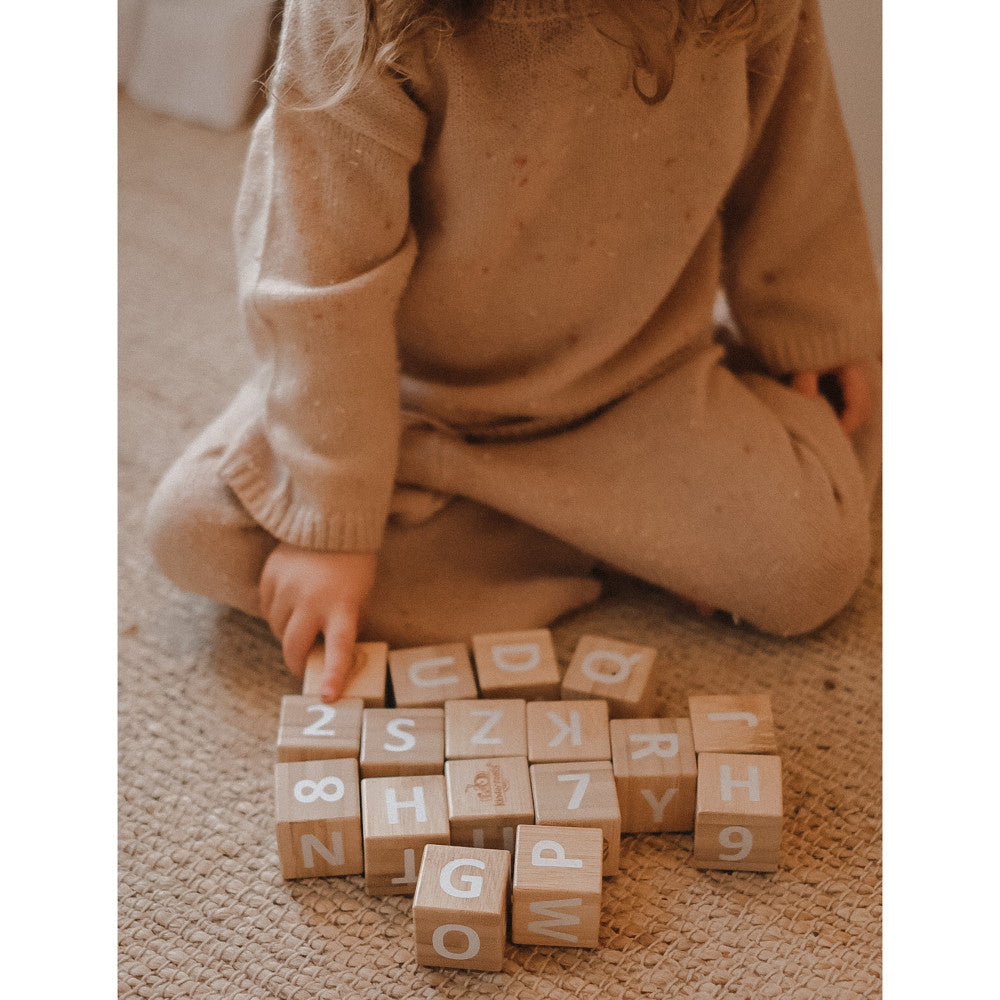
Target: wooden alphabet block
x: 486, y: 727
x: 656, y: 774
x: 517, y: 665
x: 738, y: 819
x: 400, y: 817
x: 567, y: 730
x: 429, y: 676
x: 487, y: 800
x: 580, y: 794
x: 556, y: 896
x: 368, y: 674
x: 619, y: 672
x: 460, y: 908
x: 732, y: 723
x: 398, y: 741
x: 318, y: 818
x: 311, y: 730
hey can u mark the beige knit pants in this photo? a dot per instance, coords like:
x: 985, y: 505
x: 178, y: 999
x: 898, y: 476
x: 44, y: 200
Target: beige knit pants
x: 729, y: 490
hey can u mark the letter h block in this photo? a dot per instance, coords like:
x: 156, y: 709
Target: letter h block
x: 618, y: 672
x: 428, y: 676
x: 460, y: 908
x: 318, y: 815
x: 556, y: 895
x: 656, y: 774
x: 400, y: 817
x: 738, y: 818
x: 517, y: 665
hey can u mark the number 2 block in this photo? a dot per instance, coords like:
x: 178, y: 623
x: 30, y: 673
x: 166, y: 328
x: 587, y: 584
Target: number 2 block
x: 738, y: 818
x: 312, y: 730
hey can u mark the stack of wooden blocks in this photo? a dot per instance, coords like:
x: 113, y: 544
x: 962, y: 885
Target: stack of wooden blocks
x: 511, y: 782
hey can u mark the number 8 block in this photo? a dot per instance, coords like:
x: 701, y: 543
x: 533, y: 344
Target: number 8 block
x: 738, y: 816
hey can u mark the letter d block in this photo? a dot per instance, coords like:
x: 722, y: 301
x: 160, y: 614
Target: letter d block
x: 460, y: 908
x: 618, y: 672
x: 429, y: 676
x: 732, y: 723
x: 318, y: 818
x: 656, y: 774
x: 556, y: 897
x: 738, y: 820
x: 517, y: 665
x: 311, y: 730
x: 400, y: 817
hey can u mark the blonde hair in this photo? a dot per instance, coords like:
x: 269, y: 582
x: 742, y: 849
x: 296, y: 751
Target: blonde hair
x: 375, y: 39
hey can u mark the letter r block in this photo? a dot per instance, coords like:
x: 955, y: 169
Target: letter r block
x: 732, y: 723
x: 556, y: 896
x: 429, y: 676
x: 517, y: 665
x: 738, y: 818
x: 460, y: 908
x: 618, y: 672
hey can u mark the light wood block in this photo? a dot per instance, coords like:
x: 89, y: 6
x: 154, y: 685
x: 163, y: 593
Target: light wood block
x: 487, y: 727
x: 556, y: 896
x: 311, y: 730
x: 487, y: 800
x: 517, y: 665
x: 368, y: 674
x: 580, y: 793
x: 398, y: 741
x: 656, y: 774
x: 567, y: 730
x: 618, y: 672
x: 460, y: 908
x: 732, y: 723
x: 318, y: 818
x: 739, y: 813
x: 429, y: 676
x: 400, y: 817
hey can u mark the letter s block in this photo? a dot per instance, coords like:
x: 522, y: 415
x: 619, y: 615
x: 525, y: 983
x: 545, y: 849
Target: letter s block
x: 556, y: 896
x: 460, y: 908
x: 618, y: 672
x: 397, y: 741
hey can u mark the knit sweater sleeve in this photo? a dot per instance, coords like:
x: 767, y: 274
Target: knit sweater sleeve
x: 798, y: 267
x: 324, y: 250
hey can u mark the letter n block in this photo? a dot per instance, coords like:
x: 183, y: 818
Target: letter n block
x: 429, y: 676
x: 580, y: 794
x: 460, y: 908
x: 567, y: 730
x: 618, y: 672
x: 309, y: 729
x: 517, y: 665
x: 738, y: 819
x: 367, y: 678
x: 732, y: 723
x: 487, y: 800
x: 556, y: 896
x: 486, y: 727
x: 400, y: 817
x: 318, y: 814
x: 397, y: 741
x: 656, y: 774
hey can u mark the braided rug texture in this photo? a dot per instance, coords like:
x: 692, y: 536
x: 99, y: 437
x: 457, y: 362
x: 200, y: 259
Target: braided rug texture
x: 203, y: 909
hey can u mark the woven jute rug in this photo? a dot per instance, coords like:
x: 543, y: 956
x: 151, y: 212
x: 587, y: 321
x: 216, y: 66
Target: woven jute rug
x: 204, y: 911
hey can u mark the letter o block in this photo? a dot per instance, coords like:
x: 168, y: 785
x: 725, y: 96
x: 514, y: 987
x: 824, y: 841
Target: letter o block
x: 618, y: 672
x: 460, y: 908
x: 556, y: 897
x: 428, y: 676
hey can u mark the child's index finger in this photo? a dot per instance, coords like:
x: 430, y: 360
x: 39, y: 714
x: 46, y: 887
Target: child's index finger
x: 338, y: 659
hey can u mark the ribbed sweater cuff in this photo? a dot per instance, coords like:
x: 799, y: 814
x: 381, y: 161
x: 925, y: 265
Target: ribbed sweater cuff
x: 819, y: 352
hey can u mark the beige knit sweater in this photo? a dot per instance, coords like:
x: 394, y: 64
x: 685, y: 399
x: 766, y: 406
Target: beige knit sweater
x: 511, y: 239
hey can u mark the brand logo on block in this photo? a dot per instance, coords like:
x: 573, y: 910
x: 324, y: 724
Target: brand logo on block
x: 489, y: 785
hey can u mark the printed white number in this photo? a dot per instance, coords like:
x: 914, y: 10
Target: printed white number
x: 582, y: 781
x: 738, y: 839
x: 327, y: 713
x: 310, y: 791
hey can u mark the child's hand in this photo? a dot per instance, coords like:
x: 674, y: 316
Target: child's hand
x: 855, y: 392
x: 304, y: 594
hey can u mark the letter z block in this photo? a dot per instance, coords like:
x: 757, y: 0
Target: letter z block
x: 580, y: 794
x: 556, y: 896
x: 488, y: 800
x: 487, y: 727
x: 656, y: 774
x: 517, y: 665
x: 397, y: 741
x: 732, y: 723
x: 618, y: 672
x: 460, y: 908
x: 429, y: 676
x: 311, y: 730
x: 318, y: 814
x: 567, y: 730
x: 738, y: 819
x: 367, y: 678
x: 400, y: 817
